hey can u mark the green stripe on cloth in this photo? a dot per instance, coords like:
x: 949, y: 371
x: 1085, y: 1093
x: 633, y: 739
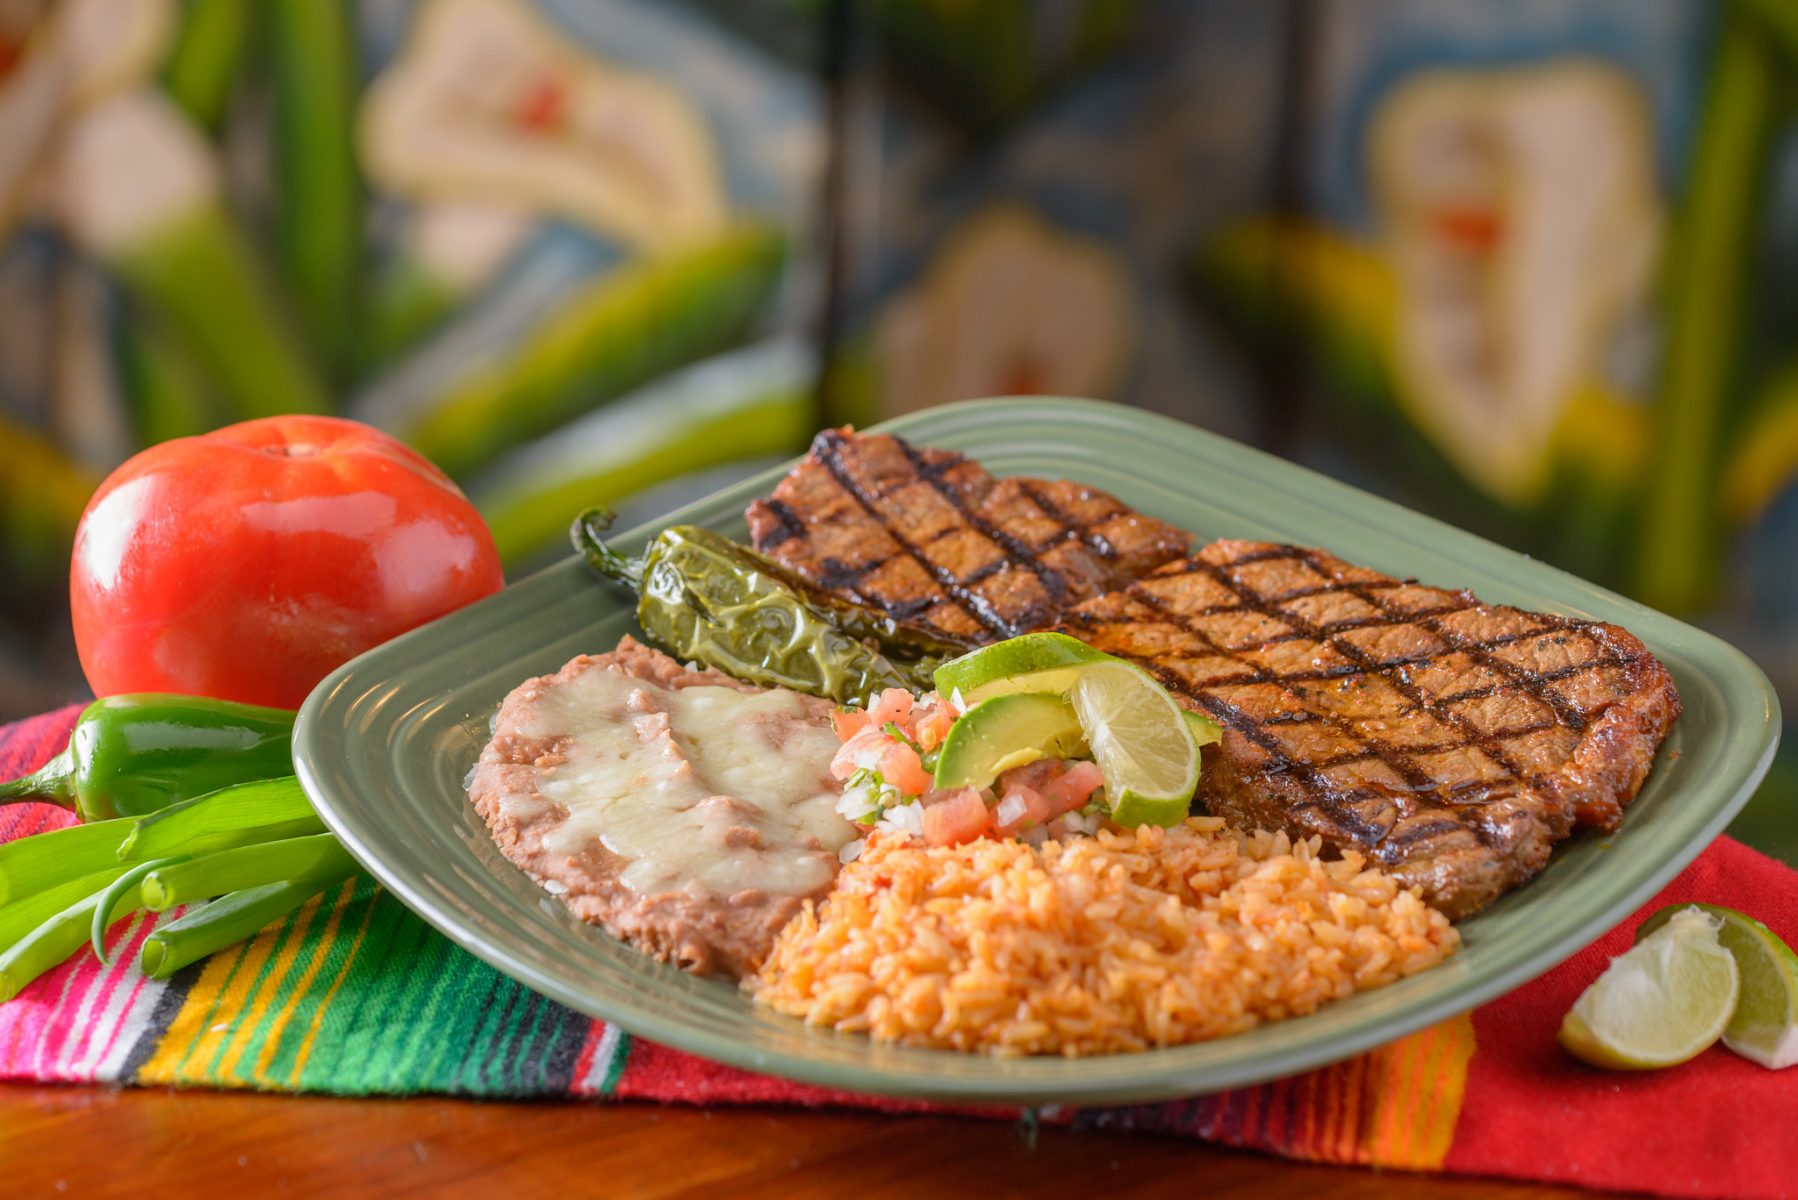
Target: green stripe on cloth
x: 355, y: 995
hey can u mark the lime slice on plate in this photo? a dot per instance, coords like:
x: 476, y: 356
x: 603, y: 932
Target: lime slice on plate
x: 1141, y: 740
x: 1005, y: 732
x: 1660, y: 1003
x: 1035, y: 662
x: 1764, y: 1028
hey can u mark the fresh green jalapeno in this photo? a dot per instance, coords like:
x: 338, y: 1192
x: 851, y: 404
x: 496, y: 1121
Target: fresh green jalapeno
x: 706, y: 598
x: 136, y: 754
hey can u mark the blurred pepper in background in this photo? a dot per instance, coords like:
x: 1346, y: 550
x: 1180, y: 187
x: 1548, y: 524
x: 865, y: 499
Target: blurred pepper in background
x: 1528, y: 268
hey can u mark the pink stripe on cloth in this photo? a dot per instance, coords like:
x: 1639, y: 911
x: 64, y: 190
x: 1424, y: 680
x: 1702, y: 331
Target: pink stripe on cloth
x: 101, y: 1012
x: 46, y: 1028
x: 49, y: 1031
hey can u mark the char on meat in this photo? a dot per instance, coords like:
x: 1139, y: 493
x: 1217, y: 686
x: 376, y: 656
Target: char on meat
x: 1452, y: 742
x: 930, y: 538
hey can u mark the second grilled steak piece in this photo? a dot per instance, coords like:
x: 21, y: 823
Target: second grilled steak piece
x: 1452, y: 742
x: 929, y: 537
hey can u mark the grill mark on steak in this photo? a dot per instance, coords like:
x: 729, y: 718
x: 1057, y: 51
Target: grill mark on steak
x: 1072, y: 530
x: 786, y: 525
x: 1015, y: 551
x: 827, y: 449
x: 1463, y: 806
x: 1415, y: 724
x: 931, y: 538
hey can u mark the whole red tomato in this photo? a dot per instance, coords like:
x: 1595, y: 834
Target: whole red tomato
x: 248, y: 563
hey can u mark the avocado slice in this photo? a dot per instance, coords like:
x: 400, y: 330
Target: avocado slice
x: 1005, y: 732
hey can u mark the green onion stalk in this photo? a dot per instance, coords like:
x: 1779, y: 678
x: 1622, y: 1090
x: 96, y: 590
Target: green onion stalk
x: 235, y: 816
x: 22, y: 916
x: 259, y: 847
x: 252, y: 866
x: 230, y: 919
x: 53, y: 941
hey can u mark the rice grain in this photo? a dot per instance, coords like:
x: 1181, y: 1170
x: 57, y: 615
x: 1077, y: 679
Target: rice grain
x: 1121, y: 941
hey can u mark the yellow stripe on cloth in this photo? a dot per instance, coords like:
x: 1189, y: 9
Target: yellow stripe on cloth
x: 271, y: 1042
x: 1411, y: 1096
x: 286, y: 954
x: 214, y: 1013
x: 343, y: 972
x: 201, y: 1025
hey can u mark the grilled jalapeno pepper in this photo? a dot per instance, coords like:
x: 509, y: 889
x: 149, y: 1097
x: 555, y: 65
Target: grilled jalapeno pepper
x: 704, y: 597
x: 135, y: 754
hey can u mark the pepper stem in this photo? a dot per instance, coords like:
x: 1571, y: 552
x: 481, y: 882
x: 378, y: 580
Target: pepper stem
x: 52, y: 783
x: 585, y: 533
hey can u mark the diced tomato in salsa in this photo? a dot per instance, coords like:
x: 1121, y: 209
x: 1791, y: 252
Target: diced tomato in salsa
x: 954, y: 817
x: 847, y: 722
x: 895, y: 705
x: 1072, y: 788
x: 901, y: 768
x: 1019, y: 809
x: 870, y: 738
x: 933, y: 724
x: 1037, y: 775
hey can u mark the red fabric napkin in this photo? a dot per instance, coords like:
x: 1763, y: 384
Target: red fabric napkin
x: 1490, y: 1093
x: 1717, y: 1126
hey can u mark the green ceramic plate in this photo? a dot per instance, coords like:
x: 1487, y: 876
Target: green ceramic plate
x: 384, y: 743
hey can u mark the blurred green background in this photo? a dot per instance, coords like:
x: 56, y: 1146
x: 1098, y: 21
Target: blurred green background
x: 1528, y: 266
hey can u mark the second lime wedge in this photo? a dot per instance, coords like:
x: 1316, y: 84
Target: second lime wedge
x: 1661, y: 1002
x: 1764, y: 1028
x: 1141, y: 740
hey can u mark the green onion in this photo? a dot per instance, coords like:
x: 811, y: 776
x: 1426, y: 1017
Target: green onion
x: 53, y: 941
x: 22, y: 916
x: 892, y: 730
x: 44, y: 860
x: 127, y: 884
x: 228, y: 920
x: 264, y: 811
x: 245, y: 867
x: 253, y: 812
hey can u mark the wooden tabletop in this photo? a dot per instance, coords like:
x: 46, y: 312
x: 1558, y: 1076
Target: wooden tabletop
x: 88, y: 1141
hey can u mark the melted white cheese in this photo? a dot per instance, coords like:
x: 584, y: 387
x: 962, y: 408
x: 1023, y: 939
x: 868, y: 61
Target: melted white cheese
x: 703, y: 787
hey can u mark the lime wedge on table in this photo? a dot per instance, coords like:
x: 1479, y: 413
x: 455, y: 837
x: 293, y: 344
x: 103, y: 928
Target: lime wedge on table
x: 1035, y: 662
x: 1660, y: 1003
x: 1141, y: 740
x: 1764, y: 1028
x: 1005, y: 732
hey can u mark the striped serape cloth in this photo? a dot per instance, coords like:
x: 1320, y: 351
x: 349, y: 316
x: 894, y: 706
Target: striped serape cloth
x: 353, y: 995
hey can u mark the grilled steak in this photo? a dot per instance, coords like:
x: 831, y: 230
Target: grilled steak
x: 929, y: 537
x: 1452, y: 742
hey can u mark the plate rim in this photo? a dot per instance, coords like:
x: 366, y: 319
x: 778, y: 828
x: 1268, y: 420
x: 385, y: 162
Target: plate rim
x: 1148, y: 1082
